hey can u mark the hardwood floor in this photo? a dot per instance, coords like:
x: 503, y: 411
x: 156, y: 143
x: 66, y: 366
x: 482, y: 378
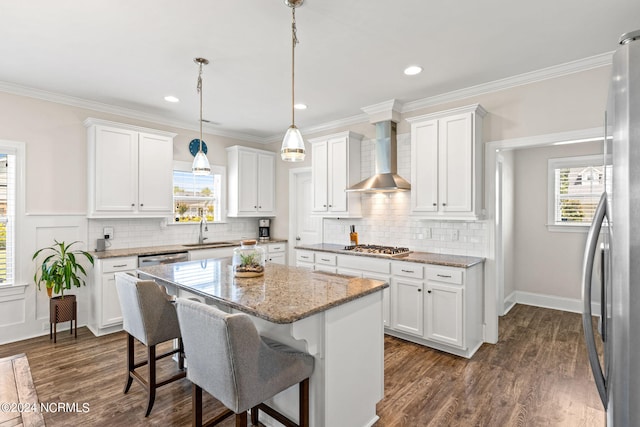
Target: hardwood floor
x: 537, y: 375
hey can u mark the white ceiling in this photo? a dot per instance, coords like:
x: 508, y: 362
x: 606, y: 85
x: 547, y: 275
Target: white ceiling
x: 130, y: 54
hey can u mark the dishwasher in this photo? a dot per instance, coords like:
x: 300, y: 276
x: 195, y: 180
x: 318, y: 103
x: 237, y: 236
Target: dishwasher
x: 148, y: 260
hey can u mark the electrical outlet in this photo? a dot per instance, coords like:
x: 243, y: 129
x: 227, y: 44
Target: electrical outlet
x: 455, y: 234
x: 107, y: 232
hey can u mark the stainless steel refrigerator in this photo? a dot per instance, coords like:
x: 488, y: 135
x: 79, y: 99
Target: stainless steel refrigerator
x: 615, y: 236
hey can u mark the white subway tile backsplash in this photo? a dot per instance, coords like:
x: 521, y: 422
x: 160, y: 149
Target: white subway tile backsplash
x: 132, y: 233
x: 386, y: 217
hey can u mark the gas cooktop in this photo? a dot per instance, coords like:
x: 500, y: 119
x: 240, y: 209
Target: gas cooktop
x: 377, y: 249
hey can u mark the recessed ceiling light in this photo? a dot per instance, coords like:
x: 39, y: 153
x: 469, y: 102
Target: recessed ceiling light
x: 171, y: 98
x: 413, y: 70
x: 300, y: 106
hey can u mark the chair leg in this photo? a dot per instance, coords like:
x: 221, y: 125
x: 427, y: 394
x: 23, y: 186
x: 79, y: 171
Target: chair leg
x: 196, y: 406
x: 130, y: 363
x: 241, y: 419
x: 180, y: 354
x: 254, y: 416
x: 304, y: 403
x: 151, y: 386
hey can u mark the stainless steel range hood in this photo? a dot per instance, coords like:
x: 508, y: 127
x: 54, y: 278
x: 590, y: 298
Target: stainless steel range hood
x: 386, y: 178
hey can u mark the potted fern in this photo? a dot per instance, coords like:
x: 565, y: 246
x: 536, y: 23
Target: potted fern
x: 59, y: 270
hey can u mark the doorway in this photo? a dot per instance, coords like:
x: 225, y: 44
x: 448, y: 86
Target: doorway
x: 496, y: 212
x: 304, y: 228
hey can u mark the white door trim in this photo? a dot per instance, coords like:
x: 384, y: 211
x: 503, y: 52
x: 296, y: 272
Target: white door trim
x: 492, y: 305
x: 292, y: 210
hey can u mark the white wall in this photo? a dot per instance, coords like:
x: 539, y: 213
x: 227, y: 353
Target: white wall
x: 56, y: 201
x: 508, y: 227
x: 546, y: 263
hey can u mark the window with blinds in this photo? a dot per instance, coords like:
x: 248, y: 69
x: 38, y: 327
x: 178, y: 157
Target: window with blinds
x: 575, y: 186
x: 7, y: 217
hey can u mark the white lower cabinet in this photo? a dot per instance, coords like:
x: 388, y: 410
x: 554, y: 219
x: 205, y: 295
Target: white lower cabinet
x: 277, y: 253
x: 105, y: 314
x: 445, y: 313
x: 369, y: 268
x: 305, y: 259
x: 445, y: 304
x: 441, y: 309
x: 407, y: 287
x: 433, y: 305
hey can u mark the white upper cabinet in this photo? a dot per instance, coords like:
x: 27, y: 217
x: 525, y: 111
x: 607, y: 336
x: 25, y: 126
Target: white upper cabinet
x: 130, y: 170
x: 335, y: 166
x: 251, y: 181
x: 446, y: 164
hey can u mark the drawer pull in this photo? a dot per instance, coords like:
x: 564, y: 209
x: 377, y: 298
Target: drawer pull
x: 119, y: 265
x: 407, y: 271
x: 325, y: 259
x: 304, y: 257
x: 444, y: 275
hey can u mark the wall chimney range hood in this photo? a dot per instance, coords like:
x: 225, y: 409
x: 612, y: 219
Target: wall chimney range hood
x: 386, y: 178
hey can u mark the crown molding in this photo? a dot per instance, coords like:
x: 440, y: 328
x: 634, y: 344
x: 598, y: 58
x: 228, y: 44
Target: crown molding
x: 120, y: 111
x: 391, y: 105
x: 555, y: 71
x: 383, y: 111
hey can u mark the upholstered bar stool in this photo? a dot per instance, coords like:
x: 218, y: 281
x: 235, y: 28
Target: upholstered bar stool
x: 231, y: 361
x: 149, y: 316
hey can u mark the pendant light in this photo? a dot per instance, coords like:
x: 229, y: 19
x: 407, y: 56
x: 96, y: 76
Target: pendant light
x: 293, y: 145
x: 200, y: 161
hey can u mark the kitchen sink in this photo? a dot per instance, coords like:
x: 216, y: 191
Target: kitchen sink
x: 208, y: 244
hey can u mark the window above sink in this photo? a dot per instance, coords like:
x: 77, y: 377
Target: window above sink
x: 194, y: 196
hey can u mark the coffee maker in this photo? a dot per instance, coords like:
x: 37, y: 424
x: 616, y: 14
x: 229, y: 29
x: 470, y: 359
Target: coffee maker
x: 263, y: 230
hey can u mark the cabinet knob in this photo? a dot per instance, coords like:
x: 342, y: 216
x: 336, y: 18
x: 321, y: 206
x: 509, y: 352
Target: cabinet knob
x: 141, y: 204
x: 324, y: 206
x: 419, y: 290
x: 435, y: 204
x: 330, y: 206
x: 444, y: 204
x: 429, y: 291
x: 255, y: 207
x: 133, y: 204
x: 259, y: 207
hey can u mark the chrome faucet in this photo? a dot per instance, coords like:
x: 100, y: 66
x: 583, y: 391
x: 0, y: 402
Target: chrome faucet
x: 203, y: 222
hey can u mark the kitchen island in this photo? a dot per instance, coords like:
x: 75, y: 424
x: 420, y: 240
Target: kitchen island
x: 337, y: 319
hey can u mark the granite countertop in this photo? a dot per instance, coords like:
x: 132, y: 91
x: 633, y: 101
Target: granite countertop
x: 170, y: 249
x: 282, y: 295
x: 420, y: 257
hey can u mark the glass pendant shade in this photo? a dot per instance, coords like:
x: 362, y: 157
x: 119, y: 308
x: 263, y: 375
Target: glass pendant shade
x: 201, y: 164
x: 292, y: 145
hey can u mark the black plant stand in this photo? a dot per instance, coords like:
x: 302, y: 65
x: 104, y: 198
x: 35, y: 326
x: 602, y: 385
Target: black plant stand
x: 62, y: 310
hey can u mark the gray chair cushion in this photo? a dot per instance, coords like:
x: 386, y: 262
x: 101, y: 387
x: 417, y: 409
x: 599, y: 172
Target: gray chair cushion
x: 231, y: 361
x: 147, y: 311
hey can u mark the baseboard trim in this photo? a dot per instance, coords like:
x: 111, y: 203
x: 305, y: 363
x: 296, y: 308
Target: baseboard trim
x: 509, y: 303
x: 550, y: 301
